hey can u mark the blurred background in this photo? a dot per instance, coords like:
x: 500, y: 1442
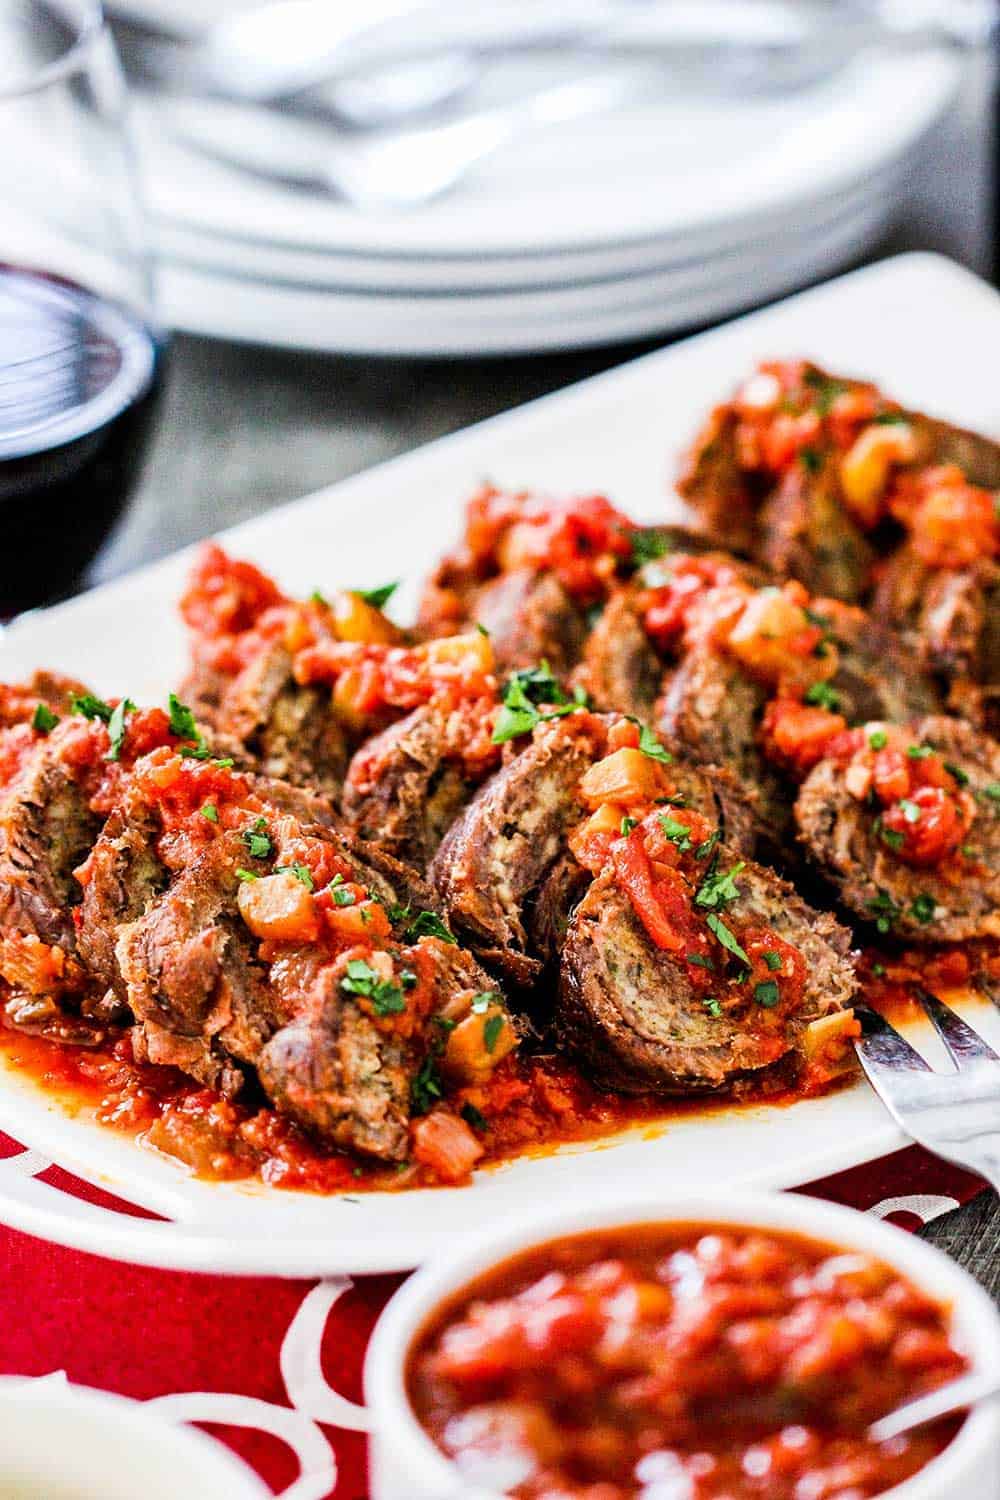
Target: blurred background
x: 280, y: 242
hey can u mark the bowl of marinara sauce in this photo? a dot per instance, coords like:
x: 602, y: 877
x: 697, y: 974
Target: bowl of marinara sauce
x: 730, y: 1348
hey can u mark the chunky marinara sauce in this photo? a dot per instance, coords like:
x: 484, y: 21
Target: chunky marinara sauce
x: 688, y: 1361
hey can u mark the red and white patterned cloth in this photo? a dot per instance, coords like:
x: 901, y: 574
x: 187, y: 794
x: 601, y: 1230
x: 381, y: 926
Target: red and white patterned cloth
x: 273, y: 1367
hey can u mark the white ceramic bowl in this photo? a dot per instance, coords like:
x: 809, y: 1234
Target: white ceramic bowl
x: 66, y: 1442
x: 406, y: 1465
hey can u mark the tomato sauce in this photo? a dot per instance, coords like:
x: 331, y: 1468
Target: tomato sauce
x: 728, y: 1364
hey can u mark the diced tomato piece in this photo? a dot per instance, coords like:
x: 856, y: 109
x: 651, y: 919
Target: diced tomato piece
x: 446, y: 1145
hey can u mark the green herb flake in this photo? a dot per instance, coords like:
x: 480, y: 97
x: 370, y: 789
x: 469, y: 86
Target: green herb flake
x: 885, y: 910
x: 700, y: 961
x: 878, y: 970
x: 708, y: 847
x: 773, y: 960
x: 408, y: 979
x: 962, y: 777
x: 90, y: 707
x: 648, y: 545
x: 210, y: 812
x: 474, y: 1117
x: 713, y: 1006
x: 923, y: 908
x: 343, y: 896
x: 811, y: 460
x: 491, y: 1031
x: 991, y: 792
x: 626, y: 826
x: 481, y: 629
x: 43, y: 719
x: 910, y: 810
x: 822, y: 695
x: 182, y: 721
x: 482, y: 1002
x: 246, y: 874
x: 426, y: 1086
x: 116, y: 727
x: 379, y: 597
x: 257, y: 840
x: 726, y: 938
x: 890, y: 836
x: 718, y: 889
x: 317, y: 598
x: 677, y: 833
x: 361, y: 979
x: 649, y: 744
x: 918, y: 752
x: 878, y: 739
x: 525, y: 693
x: 301, y: 872
x: 429, y: 924
x: 766, y: 993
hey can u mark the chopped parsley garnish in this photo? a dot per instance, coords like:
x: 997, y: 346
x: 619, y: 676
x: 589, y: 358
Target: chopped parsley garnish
x: 626, y: 826
x: 116, y: 727
x: 211, y: 812
x: 482, y: 631
x: 890, y: 836
x: 426, y: 1086
x: 182, y: 721
x: 960, y: 776
x: 811, y: 460
x: 429, y: 924
x: 224, y: 761
x: 482, y: 1002
x: 317, y: 598
x: 719, y: 887
x: 246, y: 874
x: 712, y: 1006
x: 823, y: 696
x: 910, y: 810
x: 766, y: 993
x: 339, y: 893
x: 361, y: 979
x: 992, y: 791
x: 967, y: 851
x: 890, y: 418
x: 648, y: 545
x: 726, y: 938
x: 43, y: 719
x: 472, y: 1116
x: 772, y: 959
x: 826, y: 388
x: 526, y: 690
x: 886, y: 911
x: 90, y: 707
x: 878, y: 739
x: 258, y: 840
x: 492, y: 1029
x: 649, y: 744
x: 878, y: 970
x: 705, y: 849
x: 677, y: 800
x: 677, y: 833
x: 379, y: 597
x: 408, y: 979
x: 918, y: 752
x: 923, y: 907
x: 302, y: 873
x: 700, y: 961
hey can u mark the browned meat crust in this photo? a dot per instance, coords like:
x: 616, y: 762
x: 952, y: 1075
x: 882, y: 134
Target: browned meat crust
x: 284, y: 730
x: 921, y: 905
x: 804, y: 532
x: 503, y: 871
x: 530, y: 618
x: 620, y: 668
x: 499, y: 851
x: 627, y: 1013
x: 404, y: 789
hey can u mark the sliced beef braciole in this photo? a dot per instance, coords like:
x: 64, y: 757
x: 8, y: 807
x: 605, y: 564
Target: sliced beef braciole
x: 639, y: 1016
x: 406, y: 786
x: 504, y: 872
x: 288, y: 731
x: 905, y: 825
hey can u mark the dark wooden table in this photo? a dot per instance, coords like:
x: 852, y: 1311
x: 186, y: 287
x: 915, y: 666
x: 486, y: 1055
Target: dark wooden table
x: 245, y: 429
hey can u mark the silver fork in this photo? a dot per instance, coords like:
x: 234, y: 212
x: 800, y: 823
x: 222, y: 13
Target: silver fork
x: 954, y: 1114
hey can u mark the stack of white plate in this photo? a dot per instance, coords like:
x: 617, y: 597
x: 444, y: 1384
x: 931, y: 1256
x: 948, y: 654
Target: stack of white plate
x: 636, y: 223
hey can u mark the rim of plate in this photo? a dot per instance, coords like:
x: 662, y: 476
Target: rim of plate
x: 890, y: 104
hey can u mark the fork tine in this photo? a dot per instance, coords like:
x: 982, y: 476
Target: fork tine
x: 963, y: 1044
x: 881, y: 1048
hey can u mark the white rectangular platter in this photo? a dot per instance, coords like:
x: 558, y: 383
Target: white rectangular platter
x: 918, y: 325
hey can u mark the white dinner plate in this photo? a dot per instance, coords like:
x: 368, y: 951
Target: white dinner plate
x: 497, y: 275
x: 920, y: 325
x: 530, y: 321
x: 680, y: 170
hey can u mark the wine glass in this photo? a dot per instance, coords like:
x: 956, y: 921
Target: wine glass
x: 80, y: 353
